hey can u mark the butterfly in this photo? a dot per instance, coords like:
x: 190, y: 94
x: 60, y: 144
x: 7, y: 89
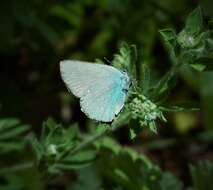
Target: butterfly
x: 102, y: 89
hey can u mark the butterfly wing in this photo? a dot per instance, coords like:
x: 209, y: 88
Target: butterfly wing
x: 98, y: 86
x: 104, y: 102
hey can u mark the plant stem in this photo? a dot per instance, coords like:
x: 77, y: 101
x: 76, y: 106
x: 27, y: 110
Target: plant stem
x: 114, y: 126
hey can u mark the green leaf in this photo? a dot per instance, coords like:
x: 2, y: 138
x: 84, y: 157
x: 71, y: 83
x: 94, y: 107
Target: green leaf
x: 55, y: 151
x: 191, y: 35
x: 152, y: 127
x: 169, y: 36
x: 12, y: 134
x: 126, y: 171
x: 102, y: 128
x: 37, y: 147
x: 82, y: 156
x: 184, y: 106
x: 7, y: 123
x: 203, y: 63
x: 59, y: 167
x: 126, y: 59
x: 194, y: 22
x: 132, y: 133
x: 198, y: 67
x: 7, y: 147
x: 135, y: 129
x: 109, y: 143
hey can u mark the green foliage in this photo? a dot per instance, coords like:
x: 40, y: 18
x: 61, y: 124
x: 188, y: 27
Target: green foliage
x: 147, y: 109
x: 146, y: 112
x: 169, y: 35
x: 202, y: 175
x: 193, y: 45
x: 168, y: 181
x: 122, y: 168
x: 12, y: 135
x: 54, y: 148
x: 117, y: 167
x: 126, y: 59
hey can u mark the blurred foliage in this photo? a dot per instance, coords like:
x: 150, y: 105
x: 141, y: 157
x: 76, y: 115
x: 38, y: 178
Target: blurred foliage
x: 171, y: 65
x: 11, y: 135
x: 53, y: 149
x: 102, y: 164
x: 202, y: 175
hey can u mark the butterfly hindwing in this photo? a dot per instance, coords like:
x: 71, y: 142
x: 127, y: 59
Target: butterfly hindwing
x: 103, y: 104
x: 99, y: 88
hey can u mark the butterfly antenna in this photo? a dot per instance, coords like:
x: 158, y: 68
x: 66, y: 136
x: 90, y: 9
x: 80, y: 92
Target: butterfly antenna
x: 108, y: 61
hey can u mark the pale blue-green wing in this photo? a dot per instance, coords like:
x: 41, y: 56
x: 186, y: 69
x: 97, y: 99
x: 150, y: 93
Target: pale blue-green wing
x: 80, y: 76
x: 98, y: 86
x: 103, y: 103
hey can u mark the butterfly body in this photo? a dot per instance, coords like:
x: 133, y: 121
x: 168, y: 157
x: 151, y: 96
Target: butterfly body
x: 102, y: 89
